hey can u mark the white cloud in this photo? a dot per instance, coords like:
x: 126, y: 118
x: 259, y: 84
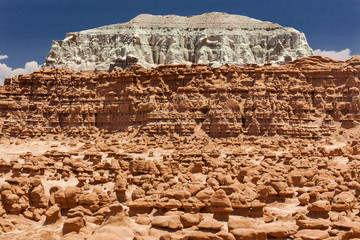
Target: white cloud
x: 341, y: 55
x: 3, y: 57
x: 6, y: 71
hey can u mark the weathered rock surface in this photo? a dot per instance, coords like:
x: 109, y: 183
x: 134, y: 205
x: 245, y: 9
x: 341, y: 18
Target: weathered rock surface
x: 306, y: 98
x: 182, y: 152
x: 211, y: 38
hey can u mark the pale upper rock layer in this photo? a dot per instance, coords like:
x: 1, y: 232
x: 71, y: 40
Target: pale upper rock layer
x: 151, y: 40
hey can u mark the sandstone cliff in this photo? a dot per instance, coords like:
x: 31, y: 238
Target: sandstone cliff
x: 182, y: 152
x: 211, y: 38
x: 304, y: 98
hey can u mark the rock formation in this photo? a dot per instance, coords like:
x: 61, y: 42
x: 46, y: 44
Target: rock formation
x: 307, y: 98
x: 182, y: 152
x: 148, y: 40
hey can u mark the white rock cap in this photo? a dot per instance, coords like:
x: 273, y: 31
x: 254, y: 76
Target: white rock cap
x: 212, y: 38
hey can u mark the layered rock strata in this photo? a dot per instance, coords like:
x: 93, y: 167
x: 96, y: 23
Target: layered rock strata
x: 148, y: 40
x: 182, y: 152
x: 306, y: 98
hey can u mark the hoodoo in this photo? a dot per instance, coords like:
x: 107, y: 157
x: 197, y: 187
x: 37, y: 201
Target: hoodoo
x: 150, y: 40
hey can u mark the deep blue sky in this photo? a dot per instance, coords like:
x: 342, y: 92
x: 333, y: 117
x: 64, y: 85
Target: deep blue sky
x: 27, y: 27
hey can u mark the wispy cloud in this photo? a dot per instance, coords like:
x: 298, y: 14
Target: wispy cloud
x: 340, y: 55
x: 3, y: 57
x: 6, y: 71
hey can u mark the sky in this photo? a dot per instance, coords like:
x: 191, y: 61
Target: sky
x: 28, y: 27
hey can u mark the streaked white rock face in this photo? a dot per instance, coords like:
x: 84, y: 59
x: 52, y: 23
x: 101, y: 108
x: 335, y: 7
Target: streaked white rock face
x: 149, y: 40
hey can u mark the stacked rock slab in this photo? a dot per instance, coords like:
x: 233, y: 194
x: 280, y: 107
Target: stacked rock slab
x: 307, y: 98
x: 211, y: 38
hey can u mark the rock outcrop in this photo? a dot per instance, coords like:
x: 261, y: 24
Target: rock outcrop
x: 148, y: 40
x: 182, y: 152
x: 306, y: 98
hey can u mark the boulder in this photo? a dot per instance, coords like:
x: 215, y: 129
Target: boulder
x: 210, y: 224
x: 73, y: 225
x: 312, y: 234
x: 189, y: 219
x: 53, y: 214
x: 171, y: 222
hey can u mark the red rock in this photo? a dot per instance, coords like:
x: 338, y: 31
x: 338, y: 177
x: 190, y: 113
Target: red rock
x: 275, y: 230
x: 219, y: 202
x: 198, y: 235
x: 72, y: 194
x: 171, y: 222
x: 242, y: 223
x: 308, y: 234
x: 143, y: 220
x: 189, y: 220
x: 189, y: 149
x: 320, y: 206
x: 248, y: 234
x: 225, y: 235
x: 210, y: 224
x: 53, y: 214
x: 313, y: 223
x: 73, y: 225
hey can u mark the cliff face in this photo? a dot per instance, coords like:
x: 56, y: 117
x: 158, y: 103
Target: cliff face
x: 305, y: 98
x: 211, y: 38
x: 182, y: 152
